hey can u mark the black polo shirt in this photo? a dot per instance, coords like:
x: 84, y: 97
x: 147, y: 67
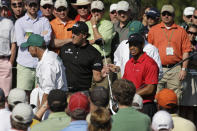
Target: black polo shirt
x: 80, y: 63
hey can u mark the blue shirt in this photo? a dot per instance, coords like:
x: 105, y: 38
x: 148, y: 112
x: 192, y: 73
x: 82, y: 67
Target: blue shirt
x: 79, y: 125
x: 25, y: 24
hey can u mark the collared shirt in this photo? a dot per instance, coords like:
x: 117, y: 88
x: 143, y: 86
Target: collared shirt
x: 121, y: 55
x: 23, y: 26
x: 5, y: 119
x: 175, y: 37
x: 78, y: 125
x: 181, y: 124
x: 80, y: 63
x: 55, y: 122
x: 122, y: 32
x: 60, y: 28
x: 77, y: 18
x: 6, y: 36
x: 105, y: 28
x: 142, y: 72
x: 50, y: 72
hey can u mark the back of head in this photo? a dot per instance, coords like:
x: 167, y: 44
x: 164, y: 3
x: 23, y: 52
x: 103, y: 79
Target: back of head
x: 162, y: 120
x: 57, y: 100
x: 100, y: 120
x: 123, y: 91
x: 167, y: 99
x: 22, y: 116
x: 99, y: 96
x: 78, y: 106
x: 2, y: 98
x: 16, y: 96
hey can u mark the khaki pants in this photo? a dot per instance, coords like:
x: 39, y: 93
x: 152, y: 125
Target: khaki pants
x: 171, y: 80
x: 104, y: 82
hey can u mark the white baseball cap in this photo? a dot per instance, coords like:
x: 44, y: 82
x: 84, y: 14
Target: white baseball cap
x: 97, y: 5
x: 17, y: 95
x: 113, y: 7
x: 162, y: 120
x: 44, y: 2
x: 139, y: 101
x: 59, y: 3
x: 81, y: 2
x: 22, y: 113
x: 188, y: 11
x: 123, y: 5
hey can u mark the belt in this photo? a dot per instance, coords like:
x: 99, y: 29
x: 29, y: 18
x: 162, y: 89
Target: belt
x: 105, y: 56
x: 168, y: 66
x: 2, y: 57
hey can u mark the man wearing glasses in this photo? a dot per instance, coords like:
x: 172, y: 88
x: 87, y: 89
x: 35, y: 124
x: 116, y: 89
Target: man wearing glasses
x: 82, y: 61
x: 24, y: 27
x: 187, y: 16
x: 101, y: 33
x: 83, y: 10
x: 46, y: 6
x: 60, y: 25
x: 174, y: 46
x: 18, y: 9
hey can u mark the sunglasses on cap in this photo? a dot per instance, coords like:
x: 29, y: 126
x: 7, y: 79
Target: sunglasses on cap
x: 82, y: 7
x: 33, y: 5
x: 166, y: 13
x: 151, y: 17
x: 96, y: 10
x: 122, y: 12
x: 47, y: 6
x: 60, y: 9
x: 192, y: 33
x: 189, y: 16
x: 195, y: 17
x: 113, y: 12
x: 15, y: 5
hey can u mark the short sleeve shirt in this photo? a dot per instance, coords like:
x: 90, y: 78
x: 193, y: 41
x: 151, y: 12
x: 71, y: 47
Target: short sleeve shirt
x: 142, y: 72
x: 80, y: 63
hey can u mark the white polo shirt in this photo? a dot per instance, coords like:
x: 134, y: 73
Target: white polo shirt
x: 5, y: 119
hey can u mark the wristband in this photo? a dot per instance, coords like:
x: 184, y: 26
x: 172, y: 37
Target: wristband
x: 93, y: 26
x: 184, y: 69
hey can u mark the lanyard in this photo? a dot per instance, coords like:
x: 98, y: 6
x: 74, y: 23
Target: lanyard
x: 169, y: 39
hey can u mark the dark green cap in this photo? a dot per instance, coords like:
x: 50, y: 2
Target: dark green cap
x: 33, y: 40
x: 136, y: 27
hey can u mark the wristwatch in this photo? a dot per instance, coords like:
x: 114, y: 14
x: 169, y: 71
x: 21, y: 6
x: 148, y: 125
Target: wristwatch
x: 184, y: 69
x: 93, y: 26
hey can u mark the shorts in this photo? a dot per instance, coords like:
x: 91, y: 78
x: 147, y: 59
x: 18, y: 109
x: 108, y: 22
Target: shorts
x: 26, y: 77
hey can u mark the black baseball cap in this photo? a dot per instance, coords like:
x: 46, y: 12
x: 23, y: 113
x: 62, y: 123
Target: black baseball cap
x: 100, y: 96
x: 79, y: 26
x: 136, y: 39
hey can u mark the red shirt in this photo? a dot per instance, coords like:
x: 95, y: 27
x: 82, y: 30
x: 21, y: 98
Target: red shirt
x: 142, y: 72
x: 77, y: 18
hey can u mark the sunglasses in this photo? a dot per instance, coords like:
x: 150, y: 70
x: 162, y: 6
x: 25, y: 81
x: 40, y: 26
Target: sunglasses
x: 96, y: 10
x: 192, y: 33
x: 195, y: 17
x: 82, y: 7
x: 189, y: 16
x: 151, y: 17
x: 15, y: 5
x: 61, y: 9
x: 113, y: 12
x: 47, y: 6
x: 121, y: 12
x: 33, y: 5
x: 166, y: 13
